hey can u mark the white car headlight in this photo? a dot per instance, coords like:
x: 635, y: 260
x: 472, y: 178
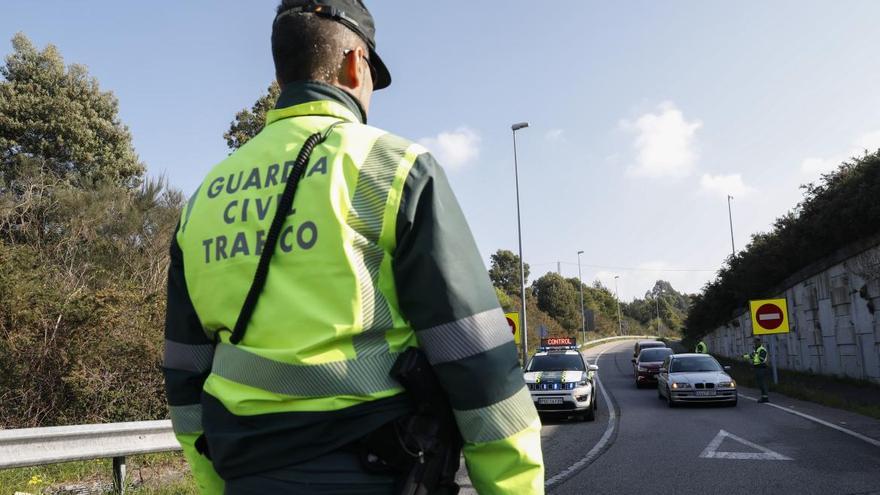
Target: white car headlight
x: 678, y: 385
x: 730, y: 384
x: 642, y: 368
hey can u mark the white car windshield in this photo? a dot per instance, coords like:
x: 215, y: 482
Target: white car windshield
x: 694, y: 364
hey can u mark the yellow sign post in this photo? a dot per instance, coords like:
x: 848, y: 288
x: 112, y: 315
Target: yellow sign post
x: 513, y: 321
x: 769, y: 316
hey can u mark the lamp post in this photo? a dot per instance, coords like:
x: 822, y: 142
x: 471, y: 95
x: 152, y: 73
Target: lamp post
x: 617, y: 296
x: 581, y: 287
x: 730, y: 217
x: 522, y: 272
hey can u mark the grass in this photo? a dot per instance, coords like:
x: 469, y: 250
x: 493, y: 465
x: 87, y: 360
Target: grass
x: 149, y: 474
x: 849, y: 394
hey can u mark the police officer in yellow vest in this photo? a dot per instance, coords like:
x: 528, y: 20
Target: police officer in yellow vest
x: 758, y: 358
x: 273, y: 373
x: 701, y: 348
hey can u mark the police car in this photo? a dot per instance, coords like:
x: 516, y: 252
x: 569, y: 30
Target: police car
x: 560, y: 381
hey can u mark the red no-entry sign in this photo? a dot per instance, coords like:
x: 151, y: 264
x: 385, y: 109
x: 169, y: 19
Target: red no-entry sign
x: 769, y: 316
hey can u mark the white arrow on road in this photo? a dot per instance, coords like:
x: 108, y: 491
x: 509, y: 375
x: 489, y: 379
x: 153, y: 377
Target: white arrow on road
x: 765, y: 454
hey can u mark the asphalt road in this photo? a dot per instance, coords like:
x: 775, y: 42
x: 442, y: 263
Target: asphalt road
x: 650, y: 448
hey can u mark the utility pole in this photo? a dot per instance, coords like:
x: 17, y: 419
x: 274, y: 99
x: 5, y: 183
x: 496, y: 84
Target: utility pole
x: 559, y: 268
x: 730, y: 217
x: 522, y: 271
x: 617, y: 296
x: 581, y: 287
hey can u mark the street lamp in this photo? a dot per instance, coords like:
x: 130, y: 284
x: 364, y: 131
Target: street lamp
x: 617, y: 296
x: 581, y: 287
x: 730, y: 217
x: 522, y: 271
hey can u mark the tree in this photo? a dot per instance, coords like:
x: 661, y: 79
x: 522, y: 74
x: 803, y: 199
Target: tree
x: 505, y: 301
x: 673, y: 307
x: 56, y: 118
x: 558, y: 298
x: 249, y: 122
x: 505, y: 273
x: 83, y: 252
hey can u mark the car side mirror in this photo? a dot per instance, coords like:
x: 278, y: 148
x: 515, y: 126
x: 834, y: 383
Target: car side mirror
x: 593, y: 367
x: 634, y: 360
x: 727, y: 368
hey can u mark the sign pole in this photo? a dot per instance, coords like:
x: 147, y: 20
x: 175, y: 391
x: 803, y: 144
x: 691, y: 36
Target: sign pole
x: 773, y: 358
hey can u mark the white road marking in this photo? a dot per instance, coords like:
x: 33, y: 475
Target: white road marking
x: 822, y: 422
x: 594, y: 452
x: 711, y: 450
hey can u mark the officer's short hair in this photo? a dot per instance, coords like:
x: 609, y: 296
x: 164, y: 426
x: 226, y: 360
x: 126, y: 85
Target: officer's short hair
x: 308, y: 47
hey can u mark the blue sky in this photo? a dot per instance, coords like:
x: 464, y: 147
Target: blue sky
x: 644, y: 114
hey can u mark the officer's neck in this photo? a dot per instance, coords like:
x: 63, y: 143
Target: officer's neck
x: 299, y: 92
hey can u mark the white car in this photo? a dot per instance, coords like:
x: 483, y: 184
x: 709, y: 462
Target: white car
x: 561, y: 383
x: 695, y: 378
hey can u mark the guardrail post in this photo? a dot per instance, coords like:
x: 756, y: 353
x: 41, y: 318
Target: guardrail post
x: 119, y: 475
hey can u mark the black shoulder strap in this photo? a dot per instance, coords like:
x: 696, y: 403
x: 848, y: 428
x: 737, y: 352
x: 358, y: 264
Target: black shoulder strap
x: 284, y: 205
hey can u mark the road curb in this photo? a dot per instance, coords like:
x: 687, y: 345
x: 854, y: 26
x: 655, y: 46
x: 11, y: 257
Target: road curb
x: 602, y: 446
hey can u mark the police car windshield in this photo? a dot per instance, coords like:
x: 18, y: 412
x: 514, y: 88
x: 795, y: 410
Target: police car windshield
x: 695, y: 363
x: 557, y: 362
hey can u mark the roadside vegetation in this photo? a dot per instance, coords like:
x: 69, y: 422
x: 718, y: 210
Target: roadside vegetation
x: 150, y: 474
x: 83, y: 241
x: 553, y: 302
x: 839, y: 210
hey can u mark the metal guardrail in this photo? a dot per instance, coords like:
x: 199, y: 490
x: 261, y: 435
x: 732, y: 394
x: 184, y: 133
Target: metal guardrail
x: 621, y: 337
x: 51, y: 445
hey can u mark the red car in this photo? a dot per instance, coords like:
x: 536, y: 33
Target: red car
x: 645, y: 344
x: 647, y: 365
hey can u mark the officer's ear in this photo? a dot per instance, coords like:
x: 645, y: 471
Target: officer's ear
x: 354, y: 69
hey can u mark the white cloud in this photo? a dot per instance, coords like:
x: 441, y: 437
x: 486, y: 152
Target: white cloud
x: 454, y: 149
x: 722, y: 185
x: 554, y: 135
x: 867, y: 141
x: 664, y: 144
x: 816, y: 166
x: 634, y: 283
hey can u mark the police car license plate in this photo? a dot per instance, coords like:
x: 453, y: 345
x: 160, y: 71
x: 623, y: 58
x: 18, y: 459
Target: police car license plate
x: 550, y: 401
x: 704, y: 392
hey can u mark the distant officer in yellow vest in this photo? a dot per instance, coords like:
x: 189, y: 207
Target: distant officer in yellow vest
x: 758, y: 358
x: 305, y: 264
x: 701, y: 348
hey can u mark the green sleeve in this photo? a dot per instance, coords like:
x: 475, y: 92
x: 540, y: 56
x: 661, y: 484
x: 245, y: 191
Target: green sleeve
x: 444, y: 291
x: 187, y: 363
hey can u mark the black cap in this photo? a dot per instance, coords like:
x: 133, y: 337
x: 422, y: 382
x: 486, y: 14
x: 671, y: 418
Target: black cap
x: 351, y: 13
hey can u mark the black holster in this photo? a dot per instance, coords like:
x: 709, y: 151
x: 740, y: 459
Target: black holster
x: 424, y: 447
